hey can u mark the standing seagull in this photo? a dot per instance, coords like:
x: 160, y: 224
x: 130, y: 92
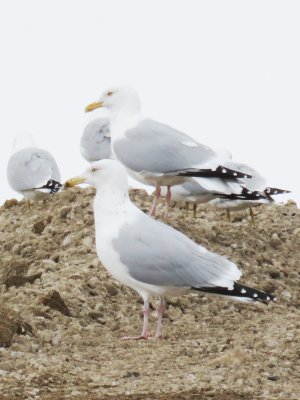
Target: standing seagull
x: 254, y: 192
x: 149, y: 256
x: 32, y: 171
x: 95, y: 140
x: 157, y: 154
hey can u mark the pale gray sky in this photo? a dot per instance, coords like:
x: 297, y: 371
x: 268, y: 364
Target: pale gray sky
x: 225, y: 72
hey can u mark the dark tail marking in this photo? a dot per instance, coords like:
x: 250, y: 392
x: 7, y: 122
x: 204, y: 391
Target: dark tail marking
x: 52, y: 185
x: 240, y: 291
x: 219, y: 172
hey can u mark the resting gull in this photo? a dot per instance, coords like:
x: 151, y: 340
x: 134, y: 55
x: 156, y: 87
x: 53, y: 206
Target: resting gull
x: 157, y: 154
x: 95, y: 140
x: 149, y: 256
x: 32, y: 171
x: 254, y: 192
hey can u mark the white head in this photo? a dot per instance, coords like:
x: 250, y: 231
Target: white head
x: 118, y: 100
x: 103, y: 175
x: 23, y: 140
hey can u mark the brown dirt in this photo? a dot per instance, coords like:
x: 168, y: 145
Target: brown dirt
x: 62, y: 315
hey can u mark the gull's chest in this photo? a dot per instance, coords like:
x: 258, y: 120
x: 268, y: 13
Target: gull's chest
x: 108, y: 227
x: 108, y: 230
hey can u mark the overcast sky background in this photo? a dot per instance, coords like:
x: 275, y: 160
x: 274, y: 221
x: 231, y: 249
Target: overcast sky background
x: 225, y: 72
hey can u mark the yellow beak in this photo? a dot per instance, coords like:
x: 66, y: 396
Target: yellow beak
x: 93, y: 106
x: 74, y: 181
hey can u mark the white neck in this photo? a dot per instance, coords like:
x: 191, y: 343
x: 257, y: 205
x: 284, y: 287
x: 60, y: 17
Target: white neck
x: 22, y: 141
x: 123, y: 116
x: 125, y: 110
x: 110, y: 199
x: 120, y: 123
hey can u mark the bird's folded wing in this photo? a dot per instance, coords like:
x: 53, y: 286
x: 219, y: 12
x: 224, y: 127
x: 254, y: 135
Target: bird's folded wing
x: 31, y: 168
x: 157, y: 148
x: 157, y: 254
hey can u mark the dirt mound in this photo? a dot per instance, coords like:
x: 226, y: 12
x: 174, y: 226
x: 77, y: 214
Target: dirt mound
x: 62, y: 316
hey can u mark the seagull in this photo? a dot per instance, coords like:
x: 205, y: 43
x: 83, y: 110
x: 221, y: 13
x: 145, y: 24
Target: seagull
x: 254, y: 192
x: 95, y: 140
x: 150, y: 256
x: 157, y: 154
x: 32, y: 171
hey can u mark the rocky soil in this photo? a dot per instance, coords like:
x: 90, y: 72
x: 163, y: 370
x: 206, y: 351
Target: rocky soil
x: 62, y: 315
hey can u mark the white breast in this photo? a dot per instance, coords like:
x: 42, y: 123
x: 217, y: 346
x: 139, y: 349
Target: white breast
x: 108, y: 224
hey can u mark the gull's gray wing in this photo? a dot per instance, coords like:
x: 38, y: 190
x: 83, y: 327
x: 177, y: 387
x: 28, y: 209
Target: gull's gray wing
x: 157, y: 254
x: 31, y: 168
x: 189, y: 191
x: 190, y: 188
x: 158, y: 148
x: 95, y: 142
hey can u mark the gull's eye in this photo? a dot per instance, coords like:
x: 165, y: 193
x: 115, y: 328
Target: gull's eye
x: 94, y: 169
x: 109, y: 93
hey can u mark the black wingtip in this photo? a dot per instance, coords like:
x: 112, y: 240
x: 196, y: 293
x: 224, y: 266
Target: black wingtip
x: 241, y: 291
x: 245, y: 194
x: 219, y: 172
x: 270, y: 191
x: 52, y: 186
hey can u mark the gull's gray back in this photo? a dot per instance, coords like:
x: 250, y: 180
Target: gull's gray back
x: 156, y: 147
x: 192, y: 191
x: 31, y: 168
x: 157, y: 254
x: 95, y: 142
x: 192, y: 187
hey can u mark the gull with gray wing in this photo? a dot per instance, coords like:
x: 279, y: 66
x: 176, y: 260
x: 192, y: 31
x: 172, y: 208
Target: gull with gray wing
x: 149, y: 256
x: 157, y: 154
x: 254, y: 192
x: 95, y: 140
x: 32, y: 171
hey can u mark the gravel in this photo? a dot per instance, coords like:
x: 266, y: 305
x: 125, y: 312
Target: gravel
x: 62, y: 315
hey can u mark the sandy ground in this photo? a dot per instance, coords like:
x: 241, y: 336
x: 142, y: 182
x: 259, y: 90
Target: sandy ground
x: 62, y: 316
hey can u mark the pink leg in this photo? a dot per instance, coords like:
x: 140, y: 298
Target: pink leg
x: 145, y: 333
x: 160, y: 312
x: 155, y: 201
x: 168, y: 200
